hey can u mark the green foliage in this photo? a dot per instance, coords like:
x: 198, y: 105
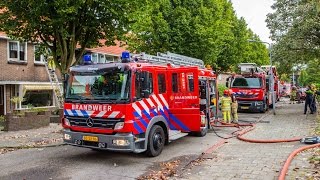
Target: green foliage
x: 294, y: 25
x: 63, y: 25
x: 16, y: 99
x: 2, y: 118
x: 221, y: 88
x: 204, y: 29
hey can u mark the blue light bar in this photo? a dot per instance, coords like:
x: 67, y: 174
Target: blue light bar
x: 87, y: 57
x: 125, y: 55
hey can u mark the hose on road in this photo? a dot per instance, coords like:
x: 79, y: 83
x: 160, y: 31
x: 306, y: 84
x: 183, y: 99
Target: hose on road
x: 290, y: 158
x: 250, y: 127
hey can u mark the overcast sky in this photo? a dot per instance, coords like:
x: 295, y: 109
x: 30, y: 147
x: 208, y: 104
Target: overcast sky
x: 255, y: 13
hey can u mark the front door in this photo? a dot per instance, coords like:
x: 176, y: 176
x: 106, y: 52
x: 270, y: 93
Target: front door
x: 1, y: 100
x: 184, y: 112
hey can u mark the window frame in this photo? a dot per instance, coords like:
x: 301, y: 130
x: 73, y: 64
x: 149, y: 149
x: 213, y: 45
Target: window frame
x: 164, y: 86
x: 175, y: 83
x: 42, y: 60
x: 190, y: 85
x: 18, y: 51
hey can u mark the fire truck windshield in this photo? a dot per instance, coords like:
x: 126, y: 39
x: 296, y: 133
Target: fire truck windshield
x: 107, y: 86
x: 247, y: 82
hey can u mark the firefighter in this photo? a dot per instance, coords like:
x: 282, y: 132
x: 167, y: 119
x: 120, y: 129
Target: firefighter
x: 234, y: 107
x: 51, y: 64
x: 314, y: 102
x: 309, y: 99
x: 293, y: 95
x: 226, y: 106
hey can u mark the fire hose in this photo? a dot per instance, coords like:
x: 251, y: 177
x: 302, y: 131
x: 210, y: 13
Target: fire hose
x: 252, y: 127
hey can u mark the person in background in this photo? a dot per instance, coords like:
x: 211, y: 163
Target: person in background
x: 293, y: 95
x: 299, y: 94
x: 234, y: 107
x: 309, y: 99
x: 314, y: 98
x: 226, y: 106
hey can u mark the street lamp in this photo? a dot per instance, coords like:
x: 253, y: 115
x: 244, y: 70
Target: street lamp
x: 271, y: 79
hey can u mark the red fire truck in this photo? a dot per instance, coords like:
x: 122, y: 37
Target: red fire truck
x: 250, y: 88
x: 139, y: 104
x: 276, y: 80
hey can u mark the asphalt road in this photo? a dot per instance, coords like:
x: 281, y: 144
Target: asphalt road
x: 68, y: 162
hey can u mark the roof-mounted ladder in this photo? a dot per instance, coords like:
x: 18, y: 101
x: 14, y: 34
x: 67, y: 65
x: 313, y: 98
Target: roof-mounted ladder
x: 175, y: 59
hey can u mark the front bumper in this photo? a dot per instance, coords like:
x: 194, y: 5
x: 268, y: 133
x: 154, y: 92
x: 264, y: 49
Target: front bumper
x: 252, y: 106
x: 102, y: 141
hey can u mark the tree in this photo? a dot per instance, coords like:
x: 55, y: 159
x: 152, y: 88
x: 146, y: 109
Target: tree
x: 295, y: 27
x: 65, y: 25
x: 204, y: 29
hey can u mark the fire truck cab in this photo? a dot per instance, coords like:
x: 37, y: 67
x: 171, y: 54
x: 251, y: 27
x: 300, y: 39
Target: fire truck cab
x: 250, y: 89
x: 139, y: 104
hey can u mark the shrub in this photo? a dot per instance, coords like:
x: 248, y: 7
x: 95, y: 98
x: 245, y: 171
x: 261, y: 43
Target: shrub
x: 221, y: 88
x: 2, y: 118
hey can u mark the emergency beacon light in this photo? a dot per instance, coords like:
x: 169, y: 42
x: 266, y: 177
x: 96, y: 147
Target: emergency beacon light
x: 125, y: 57
x: 87, y: 59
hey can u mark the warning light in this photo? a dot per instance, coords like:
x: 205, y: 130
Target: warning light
x: 125, y: 57
x: 87, y: 59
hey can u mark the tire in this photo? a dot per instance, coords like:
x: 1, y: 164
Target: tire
x: 265, y: 106
x: 156, y: 141
x: 203, y: 131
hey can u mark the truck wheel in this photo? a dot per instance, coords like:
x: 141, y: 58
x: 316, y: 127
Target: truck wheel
x: 203, y: 131
x: 156, y: 140
x: 265, y: 106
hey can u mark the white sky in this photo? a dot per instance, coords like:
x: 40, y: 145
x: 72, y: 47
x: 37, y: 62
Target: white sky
x: 255, y: 13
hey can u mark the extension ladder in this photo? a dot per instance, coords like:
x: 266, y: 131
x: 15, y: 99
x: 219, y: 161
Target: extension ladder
x: 175, y: 59
x: 57, y: 89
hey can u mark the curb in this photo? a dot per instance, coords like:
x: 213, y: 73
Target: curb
x: 31, y: 147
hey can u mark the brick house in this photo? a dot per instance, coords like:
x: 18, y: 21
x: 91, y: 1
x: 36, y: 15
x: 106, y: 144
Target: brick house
x: 23, y: 74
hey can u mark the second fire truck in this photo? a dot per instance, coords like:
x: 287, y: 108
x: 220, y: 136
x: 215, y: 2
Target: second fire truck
x: 250, y: 88
x: 139, y: 104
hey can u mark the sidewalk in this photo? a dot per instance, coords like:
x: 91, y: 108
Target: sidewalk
x: 46, y: 136
x: 242, y: 160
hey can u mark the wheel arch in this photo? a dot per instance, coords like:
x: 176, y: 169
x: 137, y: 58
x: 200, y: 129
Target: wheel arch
x: 157, y: 120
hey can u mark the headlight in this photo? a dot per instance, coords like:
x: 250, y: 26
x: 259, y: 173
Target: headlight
x: 120, y: 142
x: 119, y: 125
x: 66, y: 122
x: 67, y: 136
x: 259, y: 103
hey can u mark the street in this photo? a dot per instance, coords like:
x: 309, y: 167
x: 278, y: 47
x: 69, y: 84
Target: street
x: 68, y: 162
x: 180, y: 159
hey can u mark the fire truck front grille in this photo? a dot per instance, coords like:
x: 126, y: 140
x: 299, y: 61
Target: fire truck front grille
x: 246, y: 96
x: 96, y: 122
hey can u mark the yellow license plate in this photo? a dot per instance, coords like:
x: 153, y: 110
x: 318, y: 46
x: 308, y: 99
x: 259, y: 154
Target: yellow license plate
x: 244, y: 107
x: 90, y: 138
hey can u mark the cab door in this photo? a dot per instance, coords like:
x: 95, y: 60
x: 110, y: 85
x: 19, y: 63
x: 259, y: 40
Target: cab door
x: 184, y: 108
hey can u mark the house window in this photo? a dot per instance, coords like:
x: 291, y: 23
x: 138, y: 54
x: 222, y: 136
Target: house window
x: 102, y: 58
x: 17, y: 51
x: 38, y: 98
x: 38, y: 58
x: 94, y: 57
x: 109, y: 58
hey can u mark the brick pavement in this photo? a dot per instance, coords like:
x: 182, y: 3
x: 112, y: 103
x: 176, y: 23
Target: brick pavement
x: 242, y: 160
